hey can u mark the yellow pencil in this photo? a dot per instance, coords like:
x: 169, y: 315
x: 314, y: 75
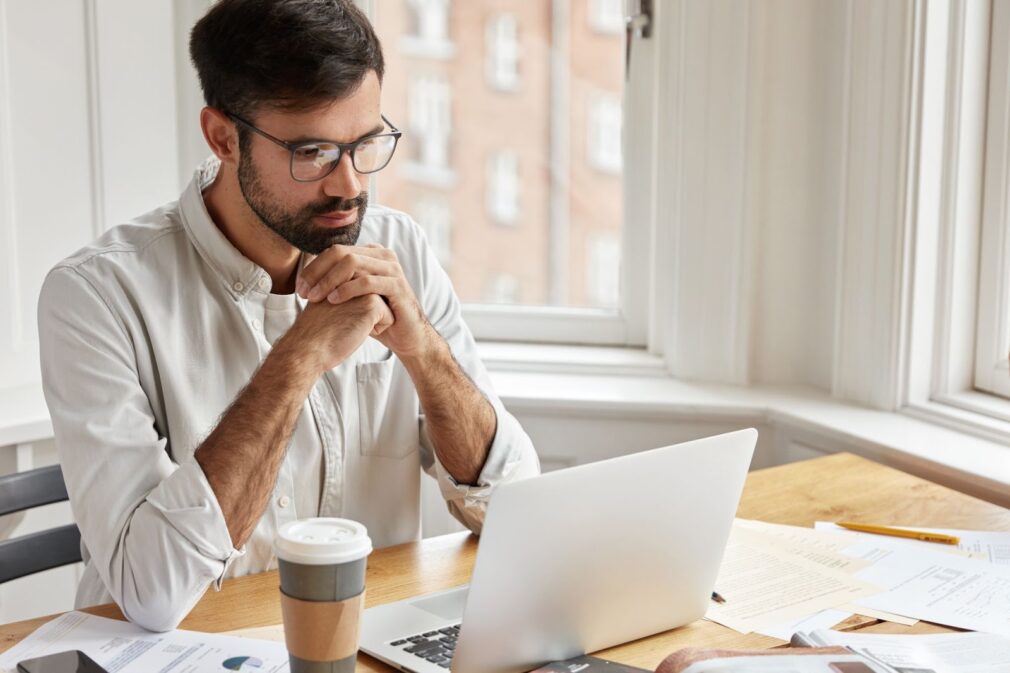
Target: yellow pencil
x: 900, y: 532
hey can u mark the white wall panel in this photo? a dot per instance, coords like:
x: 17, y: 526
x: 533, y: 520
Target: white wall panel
x: 135, y: 51
x: 45, y: 161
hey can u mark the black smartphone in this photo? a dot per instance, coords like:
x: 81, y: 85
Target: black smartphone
x: 71, y: 661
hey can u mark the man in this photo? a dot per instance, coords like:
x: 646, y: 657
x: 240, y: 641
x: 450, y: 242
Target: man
x: 269, y: 347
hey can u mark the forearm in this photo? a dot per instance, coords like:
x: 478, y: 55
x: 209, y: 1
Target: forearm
x: 242, y: 456
x: 460, y: 420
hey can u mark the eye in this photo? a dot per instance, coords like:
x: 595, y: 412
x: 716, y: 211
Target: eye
x: 307, y: 152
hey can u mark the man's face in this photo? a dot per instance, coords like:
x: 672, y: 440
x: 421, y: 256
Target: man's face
x: 311, y: 216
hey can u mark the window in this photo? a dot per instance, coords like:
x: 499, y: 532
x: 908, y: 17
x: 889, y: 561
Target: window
x: 959, y: 329
x: 429, y: 111
x: 606, y: 16
x: 503, y: 288
x: 503, y: 52
x: 427, y: 29
x: 503, y: 187
x: 433, y: 214
x: 603, y: 143
x: 533, y: 203
x: 992, y: 347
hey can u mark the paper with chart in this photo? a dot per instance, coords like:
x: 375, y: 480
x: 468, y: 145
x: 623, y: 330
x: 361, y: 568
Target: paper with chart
x: 121, y: 647
x: 950, y: 590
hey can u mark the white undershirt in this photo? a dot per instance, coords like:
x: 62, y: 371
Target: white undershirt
x: 305, y: 451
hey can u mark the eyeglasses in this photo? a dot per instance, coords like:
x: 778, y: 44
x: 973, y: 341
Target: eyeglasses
x: 315, y: 159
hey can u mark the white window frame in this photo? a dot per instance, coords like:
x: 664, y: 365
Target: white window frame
x: 992, y: 346
x: 952, y: 317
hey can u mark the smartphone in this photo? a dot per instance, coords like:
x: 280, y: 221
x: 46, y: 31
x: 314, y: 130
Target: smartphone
x: 71, y: 661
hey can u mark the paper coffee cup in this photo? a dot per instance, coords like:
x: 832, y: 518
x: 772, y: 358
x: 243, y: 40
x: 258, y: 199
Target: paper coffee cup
x: 322, y: 570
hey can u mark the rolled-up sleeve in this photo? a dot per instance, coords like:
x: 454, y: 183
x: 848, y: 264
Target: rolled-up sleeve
x: 153, y: 528
x: 511, y: 455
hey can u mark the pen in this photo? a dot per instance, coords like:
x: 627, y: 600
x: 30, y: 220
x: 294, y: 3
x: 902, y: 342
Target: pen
x: 900, y: 532
x: 717, y: 598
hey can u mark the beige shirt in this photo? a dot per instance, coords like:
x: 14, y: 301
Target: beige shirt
x: 148, y: 334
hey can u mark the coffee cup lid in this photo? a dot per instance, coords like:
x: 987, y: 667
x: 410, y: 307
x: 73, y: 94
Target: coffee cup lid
x: 321, y: 541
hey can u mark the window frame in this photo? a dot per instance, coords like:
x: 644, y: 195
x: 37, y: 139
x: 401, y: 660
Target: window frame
x: 950, y: 308
x: 992, y: 345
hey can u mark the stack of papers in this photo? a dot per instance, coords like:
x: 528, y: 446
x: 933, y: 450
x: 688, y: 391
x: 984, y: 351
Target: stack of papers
x: 121, y: 647
x: 778, y: 580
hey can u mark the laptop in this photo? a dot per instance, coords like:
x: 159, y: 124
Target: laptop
x: 576, y: 561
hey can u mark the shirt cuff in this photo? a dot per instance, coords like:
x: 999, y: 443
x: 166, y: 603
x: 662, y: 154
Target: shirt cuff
x: 510, y: 457
x: 187, y: 501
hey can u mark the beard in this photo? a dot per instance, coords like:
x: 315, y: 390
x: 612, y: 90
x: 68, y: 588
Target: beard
x: 295, y: 225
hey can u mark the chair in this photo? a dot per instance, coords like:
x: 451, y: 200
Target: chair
x: 46, y: 549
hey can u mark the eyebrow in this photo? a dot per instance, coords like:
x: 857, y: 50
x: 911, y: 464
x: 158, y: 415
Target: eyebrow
x: 310, y: 139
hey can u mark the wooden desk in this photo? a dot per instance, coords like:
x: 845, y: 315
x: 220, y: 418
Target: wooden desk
x: 832, y: 488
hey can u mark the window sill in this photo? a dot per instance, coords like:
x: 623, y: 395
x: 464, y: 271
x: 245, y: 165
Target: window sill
x: 595, y: 382
x: 419, y: 47
x: 439, y: 177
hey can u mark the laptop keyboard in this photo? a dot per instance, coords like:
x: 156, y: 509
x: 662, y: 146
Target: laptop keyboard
x: 434, y: 646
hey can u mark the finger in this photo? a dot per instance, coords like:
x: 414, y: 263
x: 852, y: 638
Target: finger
x: 313, y: 272
x: 384, y: 286
x: 349, y: 267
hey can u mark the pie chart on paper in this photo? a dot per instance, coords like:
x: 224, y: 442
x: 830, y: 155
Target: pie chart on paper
x: 242, y: 663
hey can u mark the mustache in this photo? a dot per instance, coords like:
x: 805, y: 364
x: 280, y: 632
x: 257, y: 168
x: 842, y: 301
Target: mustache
x: 337, y: 203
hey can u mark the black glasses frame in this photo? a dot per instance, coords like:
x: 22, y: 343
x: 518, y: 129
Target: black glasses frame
x: 394, y: 132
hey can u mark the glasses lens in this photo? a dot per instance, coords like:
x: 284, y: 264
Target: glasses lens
x: 311, y: 162
x: 372, y: 154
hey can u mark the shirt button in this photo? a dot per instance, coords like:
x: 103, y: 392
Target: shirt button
x: 264, y: 283
x: 257, y: 325
x: 283, y: 501
x: 238, y: 287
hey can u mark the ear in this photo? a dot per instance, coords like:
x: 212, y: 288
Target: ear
x: 221, y: 134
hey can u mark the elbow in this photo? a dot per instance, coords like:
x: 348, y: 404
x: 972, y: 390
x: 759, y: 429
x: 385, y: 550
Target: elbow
x: 156, y: 613
x: 159, y: 605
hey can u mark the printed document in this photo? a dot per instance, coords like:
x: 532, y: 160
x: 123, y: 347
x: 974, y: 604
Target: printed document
x: 121, y: 647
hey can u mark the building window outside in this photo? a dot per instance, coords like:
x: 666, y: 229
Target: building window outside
x: 503, y: 288
x: 502, y: 60
x: 429, y: 107
x: 503, y: 187
x: 603, y: 270
x: 435, y: 217
x: 607, y: 16
x: 429, y: 20
x: 604, y: 137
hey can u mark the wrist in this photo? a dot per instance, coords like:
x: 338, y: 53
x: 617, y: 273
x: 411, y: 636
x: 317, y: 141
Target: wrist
x: 301, y: 362
x: 430, y: 348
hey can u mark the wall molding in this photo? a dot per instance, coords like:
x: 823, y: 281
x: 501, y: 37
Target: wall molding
x: 94, y: 117
x: 705, y: 155
x: 8, y: 210
x: 881, y: 99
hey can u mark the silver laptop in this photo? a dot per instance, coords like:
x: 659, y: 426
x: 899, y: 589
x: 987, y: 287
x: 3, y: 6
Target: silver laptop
x: 576, y: 561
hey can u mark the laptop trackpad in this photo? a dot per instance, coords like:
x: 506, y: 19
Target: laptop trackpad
x: 447, y: 606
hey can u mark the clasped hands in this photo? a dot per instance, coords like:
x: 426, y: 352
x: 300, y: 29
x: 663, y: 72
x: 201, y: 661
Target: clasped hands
x: 342, y: 273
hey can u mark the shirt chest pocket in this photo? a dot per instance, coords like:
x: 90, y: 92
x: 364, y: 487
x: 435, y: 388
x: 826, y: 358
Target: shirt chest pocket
x: 387, y: 409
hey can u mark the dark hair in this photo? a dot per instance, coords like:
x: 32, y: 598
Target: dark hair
x: 286, y: 54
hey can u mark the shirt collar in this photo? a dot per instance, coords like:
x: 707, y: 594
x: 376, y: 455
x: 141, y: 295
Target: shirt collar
x: 239, y: 274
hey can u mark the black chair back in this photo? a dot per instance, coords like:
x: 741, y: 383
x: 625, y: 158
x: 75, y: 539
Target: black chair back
x: 46, y: 549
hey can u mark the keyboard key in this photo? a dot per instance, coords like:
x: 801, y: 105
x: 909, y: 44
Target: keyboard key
x: 445, y: 664
x: 430, y: 633
x: 448, y: 630
x: 417, y: 639
x: 397, y: 643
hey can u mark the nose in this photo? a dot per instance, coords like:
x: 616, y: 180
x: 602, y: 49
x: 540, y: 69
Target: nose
x: 344, y: 181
